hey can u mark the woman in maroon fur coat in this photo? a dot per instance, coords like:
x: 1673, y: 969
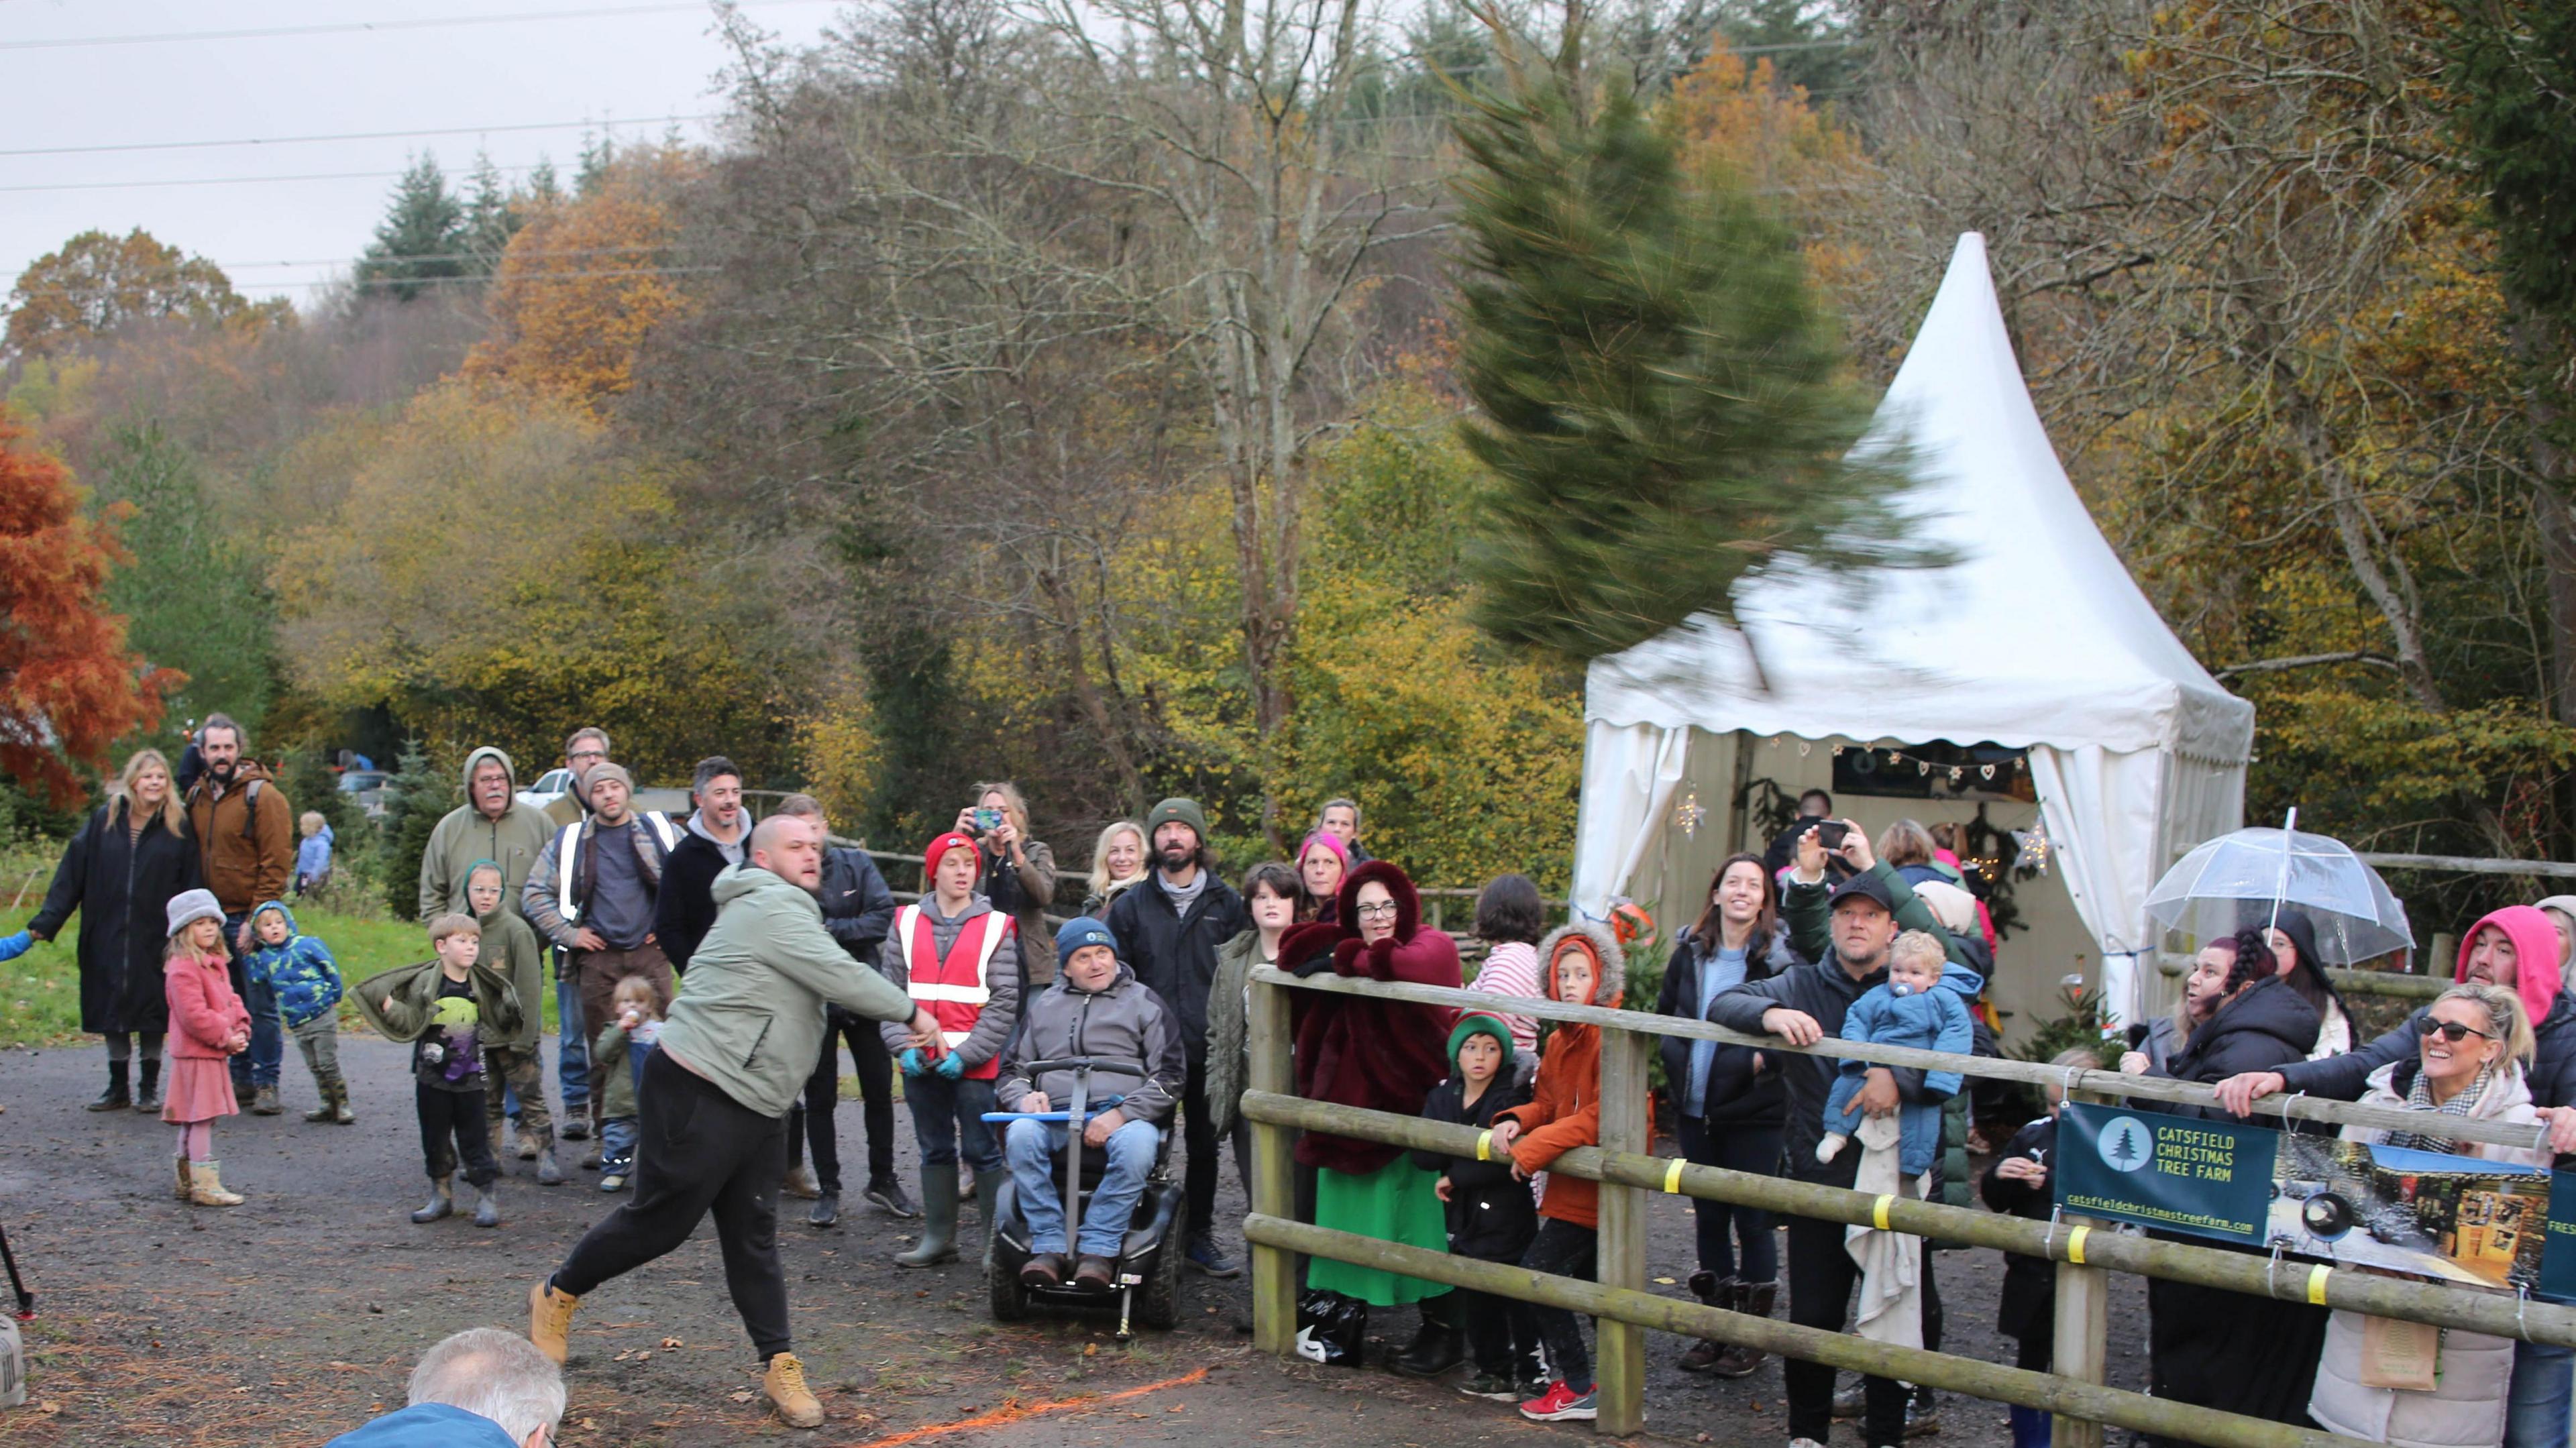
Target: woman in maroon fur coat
x: 1378, y: 1055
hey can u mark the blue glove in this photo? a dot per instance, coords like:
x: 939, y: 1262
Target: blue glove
x: 951, y: 1066
x: 910, y: 1061
x: 13, y: 946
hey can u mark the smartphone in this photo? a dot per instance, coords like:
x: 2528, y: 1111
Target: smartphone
x: 986, y: 819
x: 1829, y: 833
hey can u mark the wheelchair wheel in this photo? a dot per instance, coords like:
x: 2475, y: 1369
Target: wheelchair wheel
x: 1010, y: 1300
x: 1158, y: 1298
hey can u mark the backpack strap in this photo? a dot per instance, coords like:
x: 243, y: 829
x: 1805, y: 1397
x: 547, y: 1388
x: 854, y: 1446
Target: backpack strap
x: 250, y: 810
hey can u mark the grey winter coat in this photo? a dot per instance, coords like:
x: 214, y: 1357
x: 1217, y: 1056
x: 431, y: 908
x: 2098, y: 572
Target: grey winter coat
x: 1122, y: 1021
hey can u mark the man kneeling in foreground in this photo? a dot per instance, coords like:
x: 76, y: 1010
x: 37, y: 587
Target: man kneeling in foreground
x: 732, y: 1058
x: 1095, y: 1008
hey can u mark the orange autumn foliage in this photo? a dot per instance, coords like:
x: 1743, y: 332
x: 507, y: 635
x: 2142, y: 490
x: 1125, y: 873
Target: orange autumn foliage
x: 69, y: 686
x: 579, y: 288
x: 1742, y: 117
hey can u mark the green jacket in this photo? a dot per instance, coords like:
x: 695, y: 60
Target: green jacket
x: 1810, y: 916
x: 750, y: 1019
x: 465, y: 834
x: 618, y: 1103
x: 414, y: 991
x: 510, y: 947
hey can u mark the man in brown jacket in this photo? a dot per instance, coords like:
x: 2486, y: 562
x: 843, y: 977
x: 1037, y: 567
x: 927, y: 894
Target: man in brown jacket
x: 245, y: 830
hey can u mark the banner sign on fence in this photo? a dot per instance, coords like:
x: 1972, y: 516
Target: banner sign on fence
x: 2430, y: 1214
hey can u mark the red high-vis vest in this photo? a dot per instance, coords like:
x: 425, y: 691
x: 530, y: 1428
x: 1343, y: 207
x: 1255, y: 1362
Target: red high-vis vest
x: 954, y: 989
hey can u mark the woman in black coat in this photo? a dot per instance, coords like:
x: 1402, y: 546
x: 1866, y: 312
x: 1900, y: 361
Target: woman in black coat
x: 2205, y: 1345
x: 1730, y: 1110
x: 119, y: 872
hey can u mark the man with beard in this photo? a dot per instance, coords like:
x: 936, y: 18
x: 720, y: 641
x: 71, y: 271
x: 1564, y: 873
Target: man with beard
x: 1168, y: 931
x: 732, y: 1058
x: 710, y: 840
x: 584, y: 748
x: 245, y: 831
x: 593, y: 892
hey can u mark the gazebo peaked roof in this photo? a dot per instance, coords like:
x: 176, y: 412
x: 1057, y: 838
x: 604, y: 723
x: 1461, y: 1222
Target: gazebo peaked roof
x: 2033, y: 635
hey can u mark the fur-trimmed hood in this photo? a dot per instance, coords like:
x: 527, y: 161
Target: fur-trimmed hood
x: 1610, y: 962
x: 1379, y: 1055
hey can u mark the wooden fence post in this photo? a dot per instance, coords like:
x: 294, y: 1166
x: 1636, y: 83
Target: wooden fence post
x: 2081, y: 1346
x: 1620, y: 1377
x: 1274, y: 1188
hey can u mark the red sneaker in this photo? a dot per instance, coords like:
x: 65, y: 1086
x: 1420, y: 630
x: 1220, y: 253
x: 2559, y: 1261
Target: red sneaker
x: 1558, y: 1404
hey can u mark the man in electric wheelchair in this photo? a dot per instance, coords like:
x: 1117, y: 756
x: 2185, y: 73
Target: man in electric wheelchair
x: 1097, y: 1014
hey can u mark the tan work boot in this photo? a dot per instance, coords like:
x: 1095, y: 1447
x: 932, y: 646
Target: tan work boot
x: 785, y: 1384
x: 206, y: 1186
x: 550, y: 1319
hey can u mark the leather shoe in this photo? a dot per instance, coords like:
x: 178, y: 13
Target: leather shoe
x: 1046, y: 1269
x: 1095, y: 1273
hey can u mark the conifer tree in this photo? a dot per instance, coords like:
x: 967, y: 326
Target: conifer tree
x: 491, y: 217
x: 421, y: 239
x: 1662, y: 406
x: 416, y: 799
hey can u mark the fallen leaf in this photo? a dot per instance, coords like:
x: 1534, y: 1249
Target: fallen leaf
x: 49, y: 1406
x: 343, y: 1367
x: 590, y: 1425
x: 741, y: 1397
x: 1667, y: 1281
x: 671, y: 1342
x: 644, y: 1356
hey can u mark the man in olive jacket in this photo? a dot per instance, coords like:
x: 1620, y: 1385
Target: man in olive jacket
x: 732, y: 1058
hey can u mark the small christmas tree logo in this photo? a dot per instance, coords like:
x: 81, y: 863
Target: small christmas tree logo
x: 2125, y: 1144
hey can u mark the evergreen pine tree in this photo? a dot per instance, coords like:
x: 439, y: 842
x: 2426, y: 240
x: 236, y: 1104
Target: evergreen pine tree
x: 193, y: 597
x: 421, y: 239
x: 491, y: 217
x: 416, y: 799
x: 598, y: 153
x: 543, y: 189
x: 1662, y: 405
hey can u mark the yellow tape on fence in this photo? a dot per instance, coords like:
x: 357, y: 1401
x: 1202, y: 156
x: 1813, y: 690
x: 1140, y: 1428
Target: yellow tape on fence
x: 1878, y: 1212
x: 1484, y: 1146
x: 2075, y: 1245
x: 1673, y: 1176
x: 2317, y: 1276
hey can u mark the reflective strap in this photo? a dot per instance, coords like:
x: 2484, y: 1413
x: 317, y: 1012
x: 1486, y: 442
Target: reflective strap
x: 1878, y: 1212
x: 663, y: 827
x: 955, y: 1038
x: 1484, y: 1146
x: 2075, y: 1245
x: 964, y: 995
x: 1673, y: 1176
x: 993, y: 939
x: 2317, y: 1276
x: 567, y: 845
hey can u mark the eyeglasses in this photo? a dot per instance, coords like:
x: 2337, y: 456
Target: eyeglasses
x: 588, y: 754
x: 1386, y: 907
x: 2453, y: 1031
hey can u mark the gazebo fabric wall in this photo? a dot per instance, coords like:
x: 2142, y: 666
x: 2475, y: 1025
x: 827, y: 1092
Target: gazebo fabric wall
x: 2031, y: 636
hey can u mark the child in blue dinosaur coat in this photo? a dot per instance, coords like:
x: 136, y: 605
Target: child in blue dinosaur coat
x: 1918, y: 1006
x: 299, y: 968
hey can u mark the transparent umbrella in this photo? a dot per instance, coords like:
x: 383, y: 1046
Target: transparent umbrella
x: 2247, y: 878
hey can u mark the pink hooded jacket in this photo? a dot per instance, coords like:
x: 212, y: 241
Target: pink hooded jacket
x: 2537, y: 971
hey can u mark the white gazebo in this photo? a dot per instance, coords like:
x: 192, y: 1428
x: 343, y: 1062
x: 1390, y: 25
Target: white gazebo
x: 2033, y: 637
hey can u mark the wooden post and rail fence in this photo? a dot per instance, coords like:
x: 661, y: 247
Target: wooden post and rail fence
x: 1630, y: 1175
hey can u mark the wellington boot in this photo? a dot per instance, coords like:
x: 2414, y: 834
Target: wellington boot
x: 340, y: 1112
x: 442, y: 1201
x: 550, y: 1320
x: 988, y: 1190
x: 487, y: 1207
x: 549, y: 1172
x: 206, y: 1186
x: 147, y: 1091
x: 1718, y: 1292
x: 1754, y: 1299
x: 116, y: 1097
x: 181, y: 1163
x: 785, y: 1385
x: 938, y: 1222
x: 328, y: 1110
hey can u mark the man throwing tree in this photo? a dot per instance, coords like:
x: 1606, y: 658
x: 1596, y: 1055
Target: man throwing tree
x: 733, y: 1057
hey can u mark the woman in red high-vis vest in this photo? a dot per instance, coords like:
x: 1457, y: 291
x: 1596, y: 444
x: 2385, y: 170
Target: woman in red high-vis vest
x: 959, y: 959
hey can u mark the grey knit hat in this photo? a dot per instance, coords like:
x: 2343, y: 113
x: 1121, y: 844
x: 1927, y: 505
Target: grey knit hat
x: 190, y: 906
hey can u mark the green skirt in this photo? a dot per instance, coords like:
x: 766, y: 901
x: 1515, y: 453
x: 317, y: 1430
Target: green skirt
x: 1395, y: 1203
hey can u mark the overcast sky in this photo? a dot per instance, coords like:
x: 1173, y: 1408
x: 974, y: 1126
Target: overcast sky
x: 615, y: 71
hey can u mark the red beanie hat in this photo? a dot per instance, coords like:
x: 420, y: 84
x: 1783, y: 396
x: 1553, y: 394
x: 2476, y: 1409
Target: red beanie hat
x: 930, y: 853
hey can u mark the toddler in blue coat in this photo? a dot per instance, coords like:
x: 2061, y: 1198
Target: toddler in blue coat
x: 1914, y: 1008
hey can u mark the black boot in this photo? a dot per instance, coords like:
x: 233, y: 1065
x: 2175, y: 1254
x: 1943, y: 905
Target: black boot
x: 115, y: 1097
x: 1753, y: 1299
x: 148, y: 1096
x: 1718, y: 1292
x: 1437, y: 1347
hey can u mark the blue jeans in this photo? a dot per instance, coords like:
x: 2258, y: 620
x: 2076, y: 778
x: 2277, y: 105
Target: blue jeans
x: 943, y: 1111
x: 1039, y: 1187
x: 2536, y: 1407
x: 617, y: 1134
x: 259, y: 1065
x: 1918, y: 1123
x: 572, y: 1054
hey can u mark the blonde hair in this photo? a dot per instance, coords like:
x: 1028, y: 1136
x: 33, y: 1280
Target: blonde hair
x: 1905, y: 843
x: 311, y: 822
x: 1919, y: 943
x: 173, y: 815
x: 178, y: 945
x: 1100, y: 881
x: 640, y: 989
x: 453, y: 923
x: 2505, y: 1018
x: 1015, y: 804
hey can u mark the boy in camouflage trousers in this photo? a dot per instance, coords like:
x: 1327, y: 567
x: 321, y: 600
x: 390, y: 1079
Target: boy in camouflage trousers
x: 510, y: 948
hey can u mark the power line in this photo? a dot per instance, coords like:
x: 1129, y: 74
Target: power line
x: 353, y: 136
x: 365, y: 282
x: 232, y: 180
x: 373, y: 26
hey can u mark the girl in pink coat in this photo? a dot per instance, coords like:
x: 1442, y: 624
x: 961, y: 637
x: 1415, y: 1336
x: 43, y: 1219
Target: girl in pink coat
x: 208, y: 1025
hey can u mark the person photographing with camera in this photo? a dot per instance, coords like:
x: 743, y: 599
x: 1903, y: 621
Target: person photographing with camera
x: 1018, y: 872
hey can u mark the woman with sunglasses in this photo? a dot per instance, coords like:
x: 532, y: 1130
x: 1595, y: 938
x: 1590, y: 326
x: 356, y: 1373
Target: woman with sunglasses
x: 2472, y: 1044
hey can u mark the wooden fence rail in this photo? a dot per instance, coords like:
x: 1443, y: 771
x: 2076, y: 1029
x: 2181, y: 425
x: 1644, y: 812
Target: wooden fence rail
x: 1630, y: 1175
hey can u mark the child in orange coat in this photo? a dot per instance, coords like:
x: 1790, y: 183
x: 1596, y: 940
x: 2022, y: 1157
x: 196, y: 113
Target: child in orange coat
x: 1584, y: 967
x: 208, y: 1026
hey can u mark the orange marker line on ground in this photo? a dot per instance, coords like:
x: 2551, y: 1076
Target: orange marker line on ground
x: 1015, y: 1412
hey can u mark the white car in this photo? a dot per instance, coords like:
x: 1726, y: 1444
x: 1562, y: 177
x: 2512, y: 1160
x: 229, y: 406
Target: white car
x: 550, y: 786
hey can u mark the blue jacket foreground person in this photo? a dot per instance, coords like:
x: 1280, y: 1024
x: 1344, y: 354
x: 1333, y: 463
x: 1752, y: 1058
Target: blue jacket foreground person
x: 481, y: 1388
x: 732, y: 1058
x: 1095, y: 1008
